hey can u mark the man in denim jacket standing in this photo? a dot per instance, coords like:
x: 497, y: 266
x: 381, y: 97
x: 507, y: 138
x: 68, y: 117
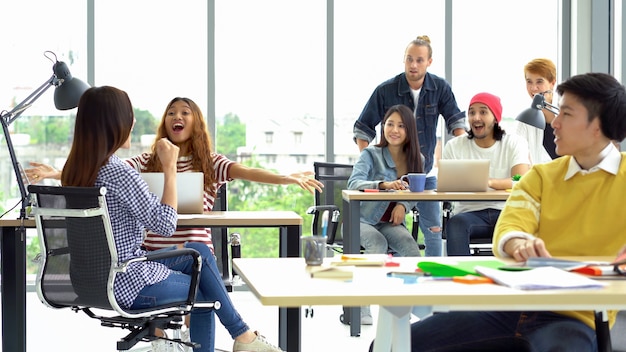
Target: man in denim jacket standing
x: 428, y: 96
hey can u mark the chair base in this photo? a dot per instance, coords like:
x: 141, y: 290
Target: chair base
x: 141, y: 329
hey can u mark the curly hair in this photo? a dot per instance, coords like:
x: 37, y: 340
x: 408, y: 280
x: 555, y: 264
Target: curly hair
x: 199, y: 145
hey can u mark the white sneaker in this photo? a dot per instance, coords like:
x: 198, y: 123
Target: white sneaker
x: 161, y: 345
x: 259, y: 344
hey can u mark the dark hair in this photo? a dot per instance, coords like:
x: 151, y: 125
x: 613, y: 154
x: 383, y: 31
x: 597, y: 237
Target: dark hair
x: 411, y: 146
x: 498, y: 132
x: 103, y: 124
x: 199, y: 145
x: 603, y: 97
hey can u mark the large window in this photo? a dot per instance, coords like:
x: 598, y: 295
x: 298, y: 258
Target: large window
x: 29, y: 29
x: 270, y: 69
x: 490, y: 49
x: 154, y: 50
x: 370, y: 39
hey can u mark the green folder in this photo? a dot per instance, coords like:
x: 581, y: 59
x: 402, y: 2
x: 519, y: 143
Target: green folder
x: 461, y: 268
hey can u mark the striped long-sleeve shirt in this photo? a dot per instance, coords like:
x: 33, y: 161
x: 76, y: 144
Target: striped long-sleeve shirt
x: 221, y: 165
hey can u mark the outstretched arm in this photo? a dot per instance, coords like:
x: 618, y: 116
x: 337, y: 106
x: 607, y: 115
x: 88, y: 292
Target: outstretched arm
x: 38, y: 171
x: 302, y: 179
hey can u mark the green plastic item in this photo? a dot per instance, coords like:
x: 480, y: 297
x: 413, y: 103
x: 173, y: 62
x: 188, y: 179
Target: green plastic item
x: 461, y: 268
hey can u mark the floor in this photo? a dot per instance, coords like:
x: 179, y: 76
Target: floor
x: 63, y: 330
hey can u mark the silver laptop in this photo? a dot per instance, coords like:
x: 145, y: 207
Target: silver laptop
x: 463, y: 175
x: 189, y: 187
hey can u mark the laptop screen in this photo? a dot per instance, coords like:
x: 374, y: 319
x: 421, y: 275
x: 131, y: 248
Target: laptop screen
x: 189, y: 188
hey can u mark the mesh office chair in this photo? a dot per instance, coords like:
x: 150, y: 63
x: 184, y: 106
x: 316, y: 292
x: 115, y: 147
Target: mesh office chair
x: 78, y: 264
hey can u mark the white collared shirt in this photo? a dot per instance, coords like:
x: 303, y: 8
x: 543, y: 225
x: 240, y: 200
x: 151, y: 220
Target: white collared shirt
x: 611, y: 158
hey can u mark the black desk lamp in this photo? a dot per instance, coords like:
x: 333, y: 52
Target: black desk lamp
x: 66, y: 96
x: 533, y: 115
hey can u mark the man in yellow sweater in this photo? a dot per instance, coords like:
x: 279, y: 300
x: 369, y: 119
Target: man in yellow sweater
x: 572, y: 206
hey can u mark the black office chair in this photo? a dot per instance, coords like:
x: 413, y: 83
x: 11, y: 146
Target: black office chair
x: 79, y: 262
x: 335, y: 177
x: 478, y: 246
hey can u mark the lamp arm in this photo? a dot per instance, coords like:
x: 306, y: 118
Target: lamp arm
x: 6, y: 120
x: 553, y: 109
x: 12, y: 115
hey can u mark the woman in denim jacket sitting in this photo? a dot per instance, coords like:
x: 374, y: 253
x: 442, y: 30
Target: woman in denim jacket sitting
x: 381, y: 166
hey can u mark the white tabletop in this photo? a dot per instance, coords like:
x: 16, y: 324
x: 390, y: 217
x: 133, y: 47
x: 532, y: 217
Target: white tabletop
x: 285, y: 282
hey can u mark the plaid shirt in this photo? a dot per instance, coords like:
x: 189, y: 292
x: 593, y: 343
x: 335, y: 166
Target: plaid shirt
x: 221, y: 164
x: 133, y: 209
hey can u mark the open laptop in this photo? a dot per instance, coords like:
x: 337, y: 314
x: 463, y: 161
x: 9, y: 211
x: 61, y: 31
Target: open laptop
x: 463, y: 175
x: 189, y: 185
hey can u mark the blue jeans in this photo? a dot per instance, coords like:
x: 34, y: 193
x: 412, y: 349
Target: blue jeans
x: 211, y: 288
x: 377, y: 238
x: 430, y: 217
x: 502, y: 331
x: 462, y: 227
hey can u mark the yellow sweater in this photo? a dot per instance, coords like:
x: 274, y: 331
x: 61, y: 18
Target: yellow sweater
x: 583, y: 216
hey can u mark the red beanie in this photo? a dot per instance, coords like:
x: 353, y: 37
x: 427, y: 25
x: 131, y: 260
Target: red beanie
x: 492, y: 102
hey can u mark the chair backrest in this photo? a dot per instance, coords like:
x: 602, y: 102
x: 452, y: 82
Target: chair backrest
x: 220, y: 237
x: 77, y: 246
x: 335, y: 177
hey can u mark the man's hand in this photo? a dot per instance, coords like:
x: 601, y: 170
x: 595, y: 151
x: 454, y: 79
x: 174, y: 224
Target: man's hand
x: 522, y: 248
x: 362, y: 143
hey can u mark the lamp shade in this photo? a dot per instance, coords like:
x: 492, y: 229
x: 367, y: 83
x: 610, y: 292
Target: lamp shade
x: 533, y: 117
x: 70, y: 89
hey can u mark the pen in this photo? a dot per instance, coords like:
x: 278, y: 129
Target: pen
x: 324, y: 223
x: 374, y: 190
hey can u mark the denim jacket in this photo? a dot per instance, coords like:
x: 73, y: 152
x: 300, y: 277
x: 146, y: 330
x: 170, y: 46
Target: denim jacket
x: 375, y: 165
x: 435, y: 98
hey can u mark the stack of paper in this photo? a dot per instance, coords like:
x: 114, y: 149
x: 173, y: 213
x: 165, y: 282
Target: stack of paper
x: 539, y: 279
x: 331, y: 272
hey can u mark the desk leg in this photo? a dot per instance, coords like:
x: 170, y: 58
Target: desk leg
x: 13, y: 281
x: 397, y: 321
x: 352, y: 245
x: 289, y: 319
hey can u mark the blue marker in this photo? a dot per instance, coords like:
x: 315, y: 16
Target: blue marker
x: 324, y: 223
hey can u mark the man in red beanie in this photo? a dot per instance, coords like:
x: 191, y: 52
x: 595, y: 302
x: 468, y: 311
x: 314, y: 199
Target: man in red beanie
x: 508, y: 155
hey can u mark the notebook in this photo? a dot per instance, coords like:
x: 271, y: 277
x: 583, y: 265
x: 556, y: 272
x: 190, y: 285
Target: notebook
x: 190, y: 188
x: 463, y: 175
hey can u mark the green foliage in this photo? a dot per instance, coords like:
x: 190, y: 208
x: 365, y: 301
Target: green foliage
x: 46, y: 129
x: 230, y: 134
x: 253, y: 196
x: 145, y: 123
x: 32, y: 250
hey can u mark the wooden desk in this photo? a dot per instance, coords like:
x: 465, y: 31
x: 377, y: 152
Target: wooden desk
x: 290, y: 285
x: 13, y: 270
x: 352, y: 213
